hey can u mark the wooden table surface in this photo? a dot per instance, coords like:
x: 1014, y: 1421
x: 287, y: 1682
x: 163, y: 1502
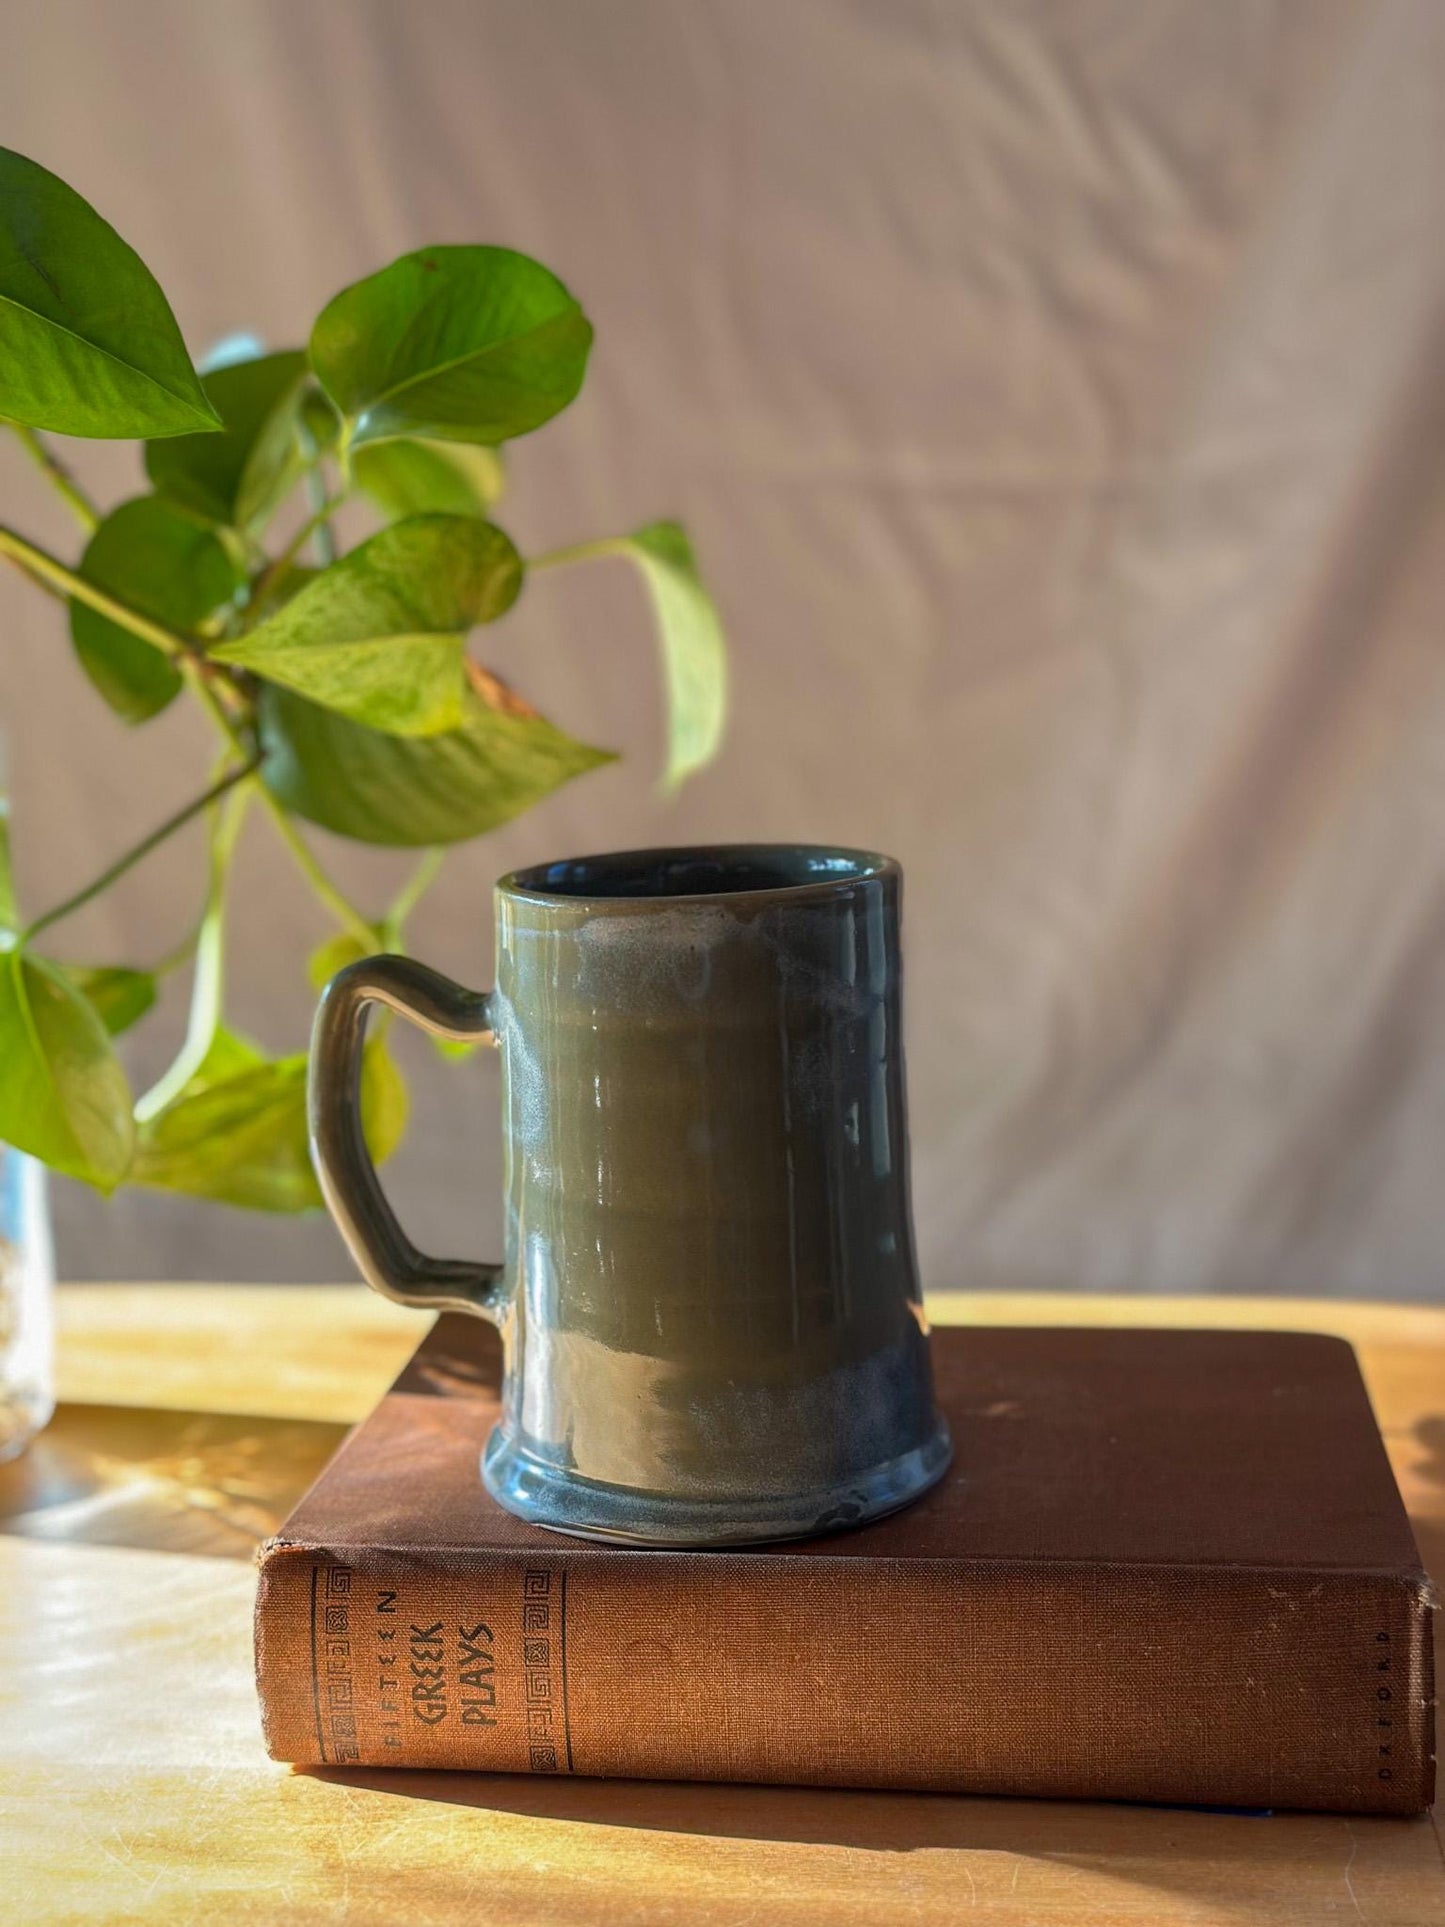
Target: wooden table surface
x: 134, y: 1785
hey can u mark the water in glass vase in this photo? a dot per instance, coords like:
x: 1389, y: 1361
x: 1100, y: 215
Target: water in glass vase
x: 27, y: 1292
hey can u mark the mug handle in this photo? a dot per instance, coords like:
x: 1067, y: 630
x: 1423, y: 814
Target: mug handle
x: 388, y: 1259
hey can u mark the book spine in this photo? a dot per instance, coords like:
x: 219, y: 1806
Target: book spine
x: 1223, y: 1687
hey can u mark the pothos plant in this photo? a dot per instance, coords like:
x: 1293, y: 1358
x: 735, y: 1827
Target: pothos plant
x: 339, y: 685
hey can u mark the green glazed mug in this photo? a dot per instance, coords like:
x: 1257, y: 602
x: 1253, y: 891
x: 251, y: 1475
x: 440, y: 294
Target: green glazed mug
x: 711, y: 1319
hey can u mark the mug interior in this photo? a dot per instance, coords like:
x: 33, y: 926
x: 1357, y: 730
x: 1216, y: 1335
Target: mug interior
x: 707, y: 871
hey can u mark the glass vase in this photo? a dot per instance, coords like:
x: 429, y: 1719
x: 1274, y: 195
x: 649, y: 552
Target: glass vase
x: 27, y: 1302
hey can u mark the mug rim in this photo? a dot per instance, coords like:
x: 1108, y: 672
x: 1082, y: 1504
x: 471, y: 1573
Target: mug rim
x: 526, y: 885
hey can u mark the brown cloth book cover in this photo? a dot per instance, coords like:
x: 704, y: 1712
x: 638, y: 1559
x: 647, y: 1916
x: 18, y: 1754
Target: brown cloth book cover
x: 1166, y: 1566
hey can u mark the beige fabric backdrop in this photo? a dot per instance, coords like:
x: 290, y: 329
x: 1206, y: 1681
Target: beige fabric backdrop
x: 1054, y: 392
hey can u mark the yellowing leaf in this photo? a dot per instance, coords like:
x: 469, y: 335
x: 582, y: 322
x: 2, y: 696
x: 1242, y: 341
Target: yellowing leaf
x: 407, y: 791
x: 694, y: 654
x: 119, y: 997
x: 333, y: 955
x: 237, y: 1133
x: 377, y: 636
x: 420, y: 478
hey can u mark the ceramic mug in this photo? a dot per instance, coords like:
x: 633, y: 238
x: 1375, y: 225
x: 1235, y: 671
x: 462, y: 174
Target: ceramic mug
x: 709, y: 1303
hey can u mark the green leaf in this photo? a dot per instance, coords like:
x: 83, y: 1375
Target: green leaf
x: 238, y: 1140
x: 237, y: 478
x: 63, y: 1094
x: 237, y: 1133
x: 463, y: 344
x: 484, y: 469
x: 415, y: 478
x: 228, y: 1054
x: 454, y: 1049
x: 384, y: 1102
x: 411, y: 792
x: 378, y: 636
x: 333, y: 955
x: 120, y: 997
x: 88, y: 344
x: 292, y: 579
x: 165, y: 565
x: 136, y: 680
x: 694, y: 653
x: 319, y: 420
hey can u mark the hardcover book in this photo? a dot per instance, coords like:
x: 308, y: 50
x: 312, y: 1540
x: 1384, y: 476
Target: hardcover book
x: 1166, y: 1566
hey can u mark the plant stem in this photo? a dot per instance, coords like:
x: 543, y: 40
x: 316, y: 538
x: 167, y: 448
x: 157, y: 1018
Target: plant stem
x: 412, y: 891
x: 345, y: 912
x: 341, y: 454
x: 314, y: 524
x: 141, y: 849
x: 37, y: 563
x: 224, y: 834
x: 580, y: 552
x: 39, y: 581
x: 315, y: 486
x: 60, y: 477
x: 181, y: 954
x: 218, y: 713
x: 313, y: 480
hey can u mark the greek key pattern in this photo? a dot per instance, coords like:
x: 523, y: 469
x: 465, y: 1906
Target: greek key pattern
x: 332, y: 1658
x: 544, y: 1663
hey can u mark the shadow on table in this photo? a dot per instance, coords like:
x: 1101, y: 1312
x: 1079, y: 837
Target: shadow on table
x: 210, y: 1483
x: 1430, y: 1433
x: 1221, y: 1861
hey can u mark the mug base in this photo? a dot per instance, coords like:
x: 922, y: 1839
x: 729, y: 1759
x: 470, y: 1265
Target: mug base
x: 621, y: 1515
